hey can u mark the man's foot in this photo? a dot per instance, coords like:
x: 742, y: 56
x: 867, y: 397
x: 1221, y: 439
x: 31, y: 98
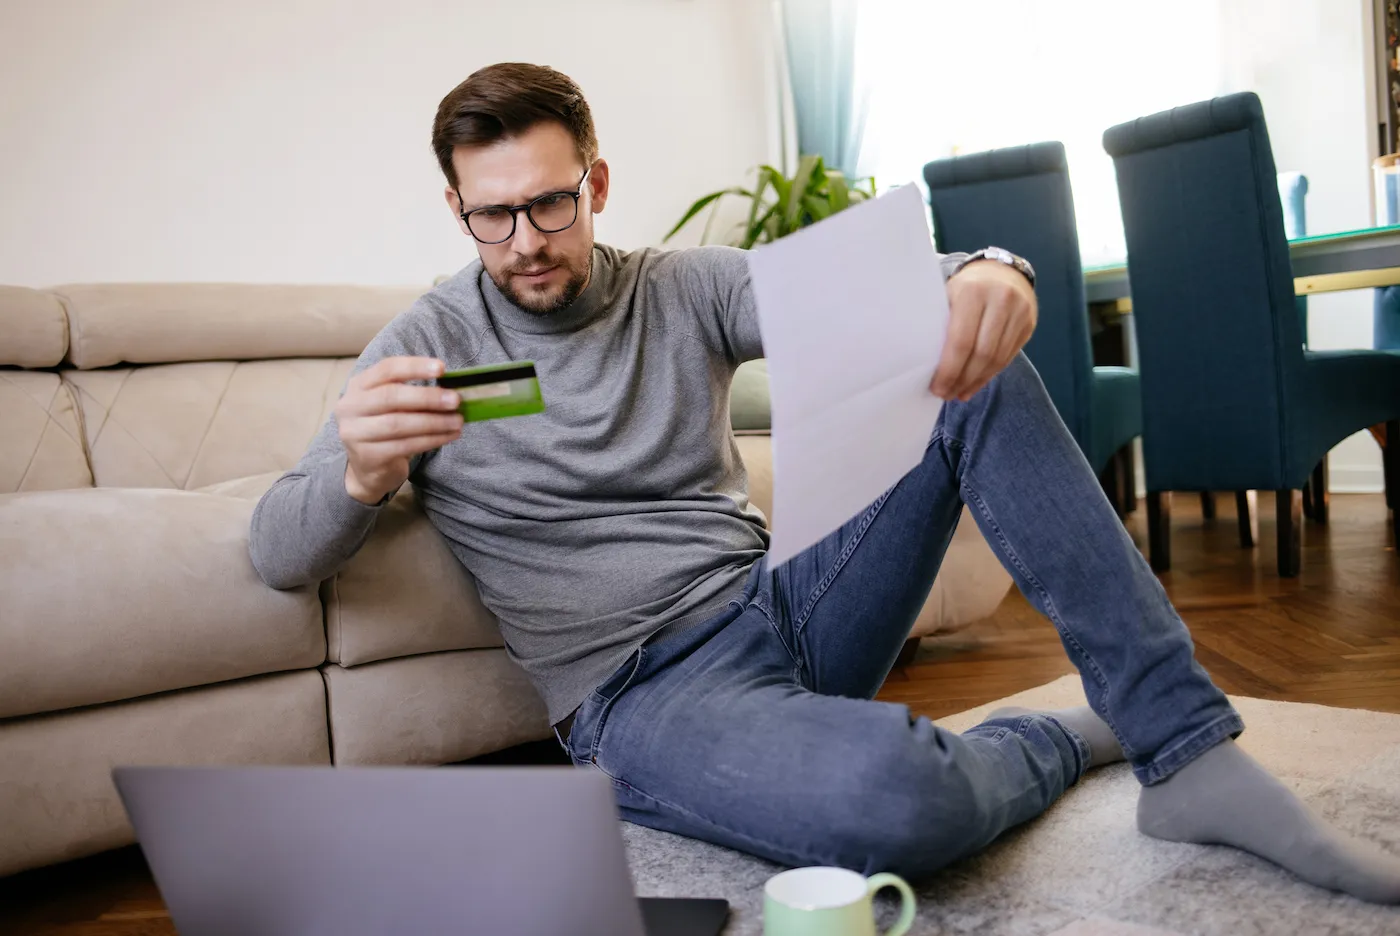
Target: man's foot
x: 1103, y: 745
x: 1225, y: 797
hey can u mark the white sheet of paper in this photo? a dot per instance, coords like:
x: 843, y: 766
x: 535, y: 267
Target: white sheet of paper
x: 853, y: 311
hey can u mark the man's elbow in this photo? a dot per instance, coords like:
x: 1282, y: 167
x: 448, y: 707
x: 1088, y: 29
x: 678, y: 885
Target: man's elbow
x: 279, y: 575
x: 275, y: 566
x: 275, y: 573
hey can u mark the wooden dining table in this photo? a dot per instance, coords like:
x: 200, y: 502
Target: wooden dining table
x: 1322, y: 263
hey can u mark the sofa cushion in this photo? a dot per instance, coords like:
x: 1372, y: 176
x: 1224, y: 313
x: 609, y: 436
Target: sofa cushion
x: 108, y: 595
x: 404, y: 593
x: 433, y: 709
x: 42, y: 446
x: 156, y: 323
x: 56, y: 793
x: 195, y: 424
x: 757, y: 454
x: 250, y: 488
x: 33, y: 328
x: 748, y: 398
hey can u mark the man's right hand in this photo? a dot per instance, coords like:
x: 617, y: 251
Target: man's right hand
x: 384, y: 422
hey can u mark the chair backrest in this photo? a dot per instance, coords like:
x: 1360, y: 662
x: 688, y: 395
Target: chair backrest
x: 1019, y: 198
x: 1219, y: 347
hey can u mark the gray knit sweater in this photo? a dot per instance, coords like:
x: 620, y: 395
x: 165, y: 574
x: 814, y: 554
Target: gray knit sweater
x: 621, y: 509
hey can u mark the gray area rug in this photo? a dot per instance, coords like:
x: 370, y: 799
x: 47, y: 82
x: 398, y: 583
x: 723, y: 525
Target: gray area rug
x: 1083, y: 869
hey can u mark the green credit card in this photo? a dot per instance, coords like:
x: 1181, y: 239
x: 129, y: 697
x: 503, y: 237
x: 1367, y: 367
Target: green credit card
x: 495, y: 390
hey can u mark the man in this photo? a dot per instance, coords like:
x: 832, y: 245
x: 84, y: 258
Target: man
x: 613, y: 539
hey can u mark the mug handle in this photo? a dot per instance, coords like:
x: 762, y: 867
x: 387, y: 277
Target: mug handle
x: 906, y: 914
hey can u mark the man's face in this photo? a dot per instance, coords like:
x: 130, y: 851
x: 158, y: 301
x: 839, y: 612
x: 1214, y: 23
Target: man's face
x: 541, y: 273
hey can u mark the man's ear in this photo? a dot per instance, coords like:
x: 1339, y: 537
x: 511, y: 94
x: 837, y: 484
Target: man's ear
x: 598, y: 181
x: 454, y: 204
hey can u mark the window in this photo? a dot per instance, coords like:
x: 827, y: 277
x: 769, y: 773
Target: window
x: 950, y: 76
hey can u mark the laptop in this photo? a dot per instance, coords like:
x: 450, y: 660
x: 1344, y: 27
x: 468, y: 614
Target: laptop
x: 306, y: 851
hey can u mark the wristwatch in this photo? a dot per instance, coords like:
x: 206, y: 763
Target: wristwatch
x: 1019, y: 264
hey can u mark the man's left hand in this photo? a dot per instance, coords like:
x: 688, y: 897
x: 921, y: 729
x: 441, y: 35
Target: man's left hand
x: 992, y: 313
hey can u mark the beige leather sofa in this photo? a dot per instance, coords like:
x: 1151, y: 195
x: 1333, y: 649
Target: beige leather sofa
x: 138, y: 426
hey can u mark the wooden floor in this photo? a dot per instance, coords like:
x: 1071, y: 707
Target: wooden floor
x: 1331, y: 636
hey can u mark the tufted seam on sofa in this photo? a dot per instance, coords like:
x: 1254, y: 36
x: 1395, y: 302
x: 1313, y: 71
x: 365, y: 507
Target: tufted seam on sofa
x: 208, y: 426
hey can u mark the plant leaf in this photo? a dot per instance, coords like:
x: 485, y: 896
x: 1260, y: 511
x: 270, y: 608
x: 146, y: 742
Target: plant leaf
x: 699, y: 206
x: 764, y: 177
x: 781, y: 185
x: 817, y: 207
x: 838, y: 192
x: 755, y: 230
x: 773, y: 229
x: 800, y: 182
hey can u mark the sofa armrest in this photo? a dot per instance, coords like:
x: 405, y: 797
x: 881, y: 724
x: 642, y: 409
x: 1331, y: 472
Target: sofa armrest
x: 109, y: 594
x: 404, y: 593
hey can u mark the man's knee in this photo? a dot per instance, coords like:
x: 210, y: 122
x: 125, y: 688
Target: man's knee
x: 1014, y: 398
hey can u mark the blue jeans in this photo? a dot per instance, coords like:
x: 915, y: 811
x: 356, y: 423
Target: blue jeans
x: 757, y: 729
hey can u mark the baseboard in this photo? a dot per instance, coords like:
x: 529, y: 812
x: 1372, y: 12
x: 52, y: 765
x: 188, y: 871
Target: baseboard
x: 1355, y: 479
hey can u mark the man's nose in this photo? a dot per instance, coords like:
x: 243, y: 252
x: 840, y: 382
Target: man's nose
x: 527, y: 240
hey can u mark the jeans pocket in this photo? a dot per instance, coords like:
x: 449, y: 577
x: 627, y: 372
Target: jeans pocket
x: 593, y: 713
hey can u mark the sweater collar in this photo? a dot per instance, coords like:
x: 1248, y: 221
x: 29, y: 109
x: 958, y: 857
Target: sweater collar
x: 591, y: 304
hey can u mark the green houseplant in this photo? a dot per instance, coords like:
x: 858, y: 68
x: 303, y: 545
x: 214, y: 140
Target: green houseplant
x: 779, y: 204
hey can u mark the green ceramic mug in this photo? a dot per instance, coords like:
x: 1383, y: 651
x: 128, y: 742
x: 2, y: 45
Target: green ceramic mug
x: 829, y: 902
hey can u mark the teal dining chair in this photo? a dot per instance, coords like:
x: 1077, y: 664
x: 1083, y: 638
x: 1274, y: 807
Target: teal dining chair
x: 1292, y: 193
x: 1019, y: 198
x: 1231, y: 400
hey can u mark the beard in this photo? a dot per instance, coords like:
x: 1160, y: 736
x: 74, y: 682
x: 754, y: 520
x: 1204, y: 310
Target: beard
x: 546, y: 302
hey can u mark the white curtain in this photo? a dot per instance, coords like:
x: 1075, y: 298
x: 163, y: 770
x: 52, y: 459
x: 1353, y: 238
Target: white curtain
x: 820, y: 38
x: 951, y: 76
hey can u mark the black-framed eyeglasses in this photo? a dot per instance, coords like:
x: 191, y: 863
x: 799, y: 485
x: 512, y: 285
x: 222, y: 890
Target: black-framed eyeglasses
x: 550, y: 214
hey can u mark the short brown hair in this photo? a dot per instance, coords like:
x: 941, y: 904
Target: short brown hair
x: 506, y: 100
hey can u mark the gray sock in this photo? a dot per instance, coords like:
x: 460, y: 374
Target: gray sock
x: 1103, y: 745
x: 1225, y: 797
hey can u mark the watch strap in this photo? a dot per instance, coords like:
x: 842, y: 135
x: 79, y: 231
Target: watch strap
x: 1001, y: 255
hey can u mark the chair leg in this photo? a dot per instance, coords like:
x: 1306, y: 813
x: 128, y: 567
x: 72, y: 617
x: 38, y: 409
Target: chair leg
x: 1390, y: 457
x: 1321, y: 499
x: 1308, y: 498
x: 1159, y: 530
x: 1290, y: 533
x: 1129, y: 478
x: 1247, y: 510
x: 1111, y: 480
x: 1208, y: 505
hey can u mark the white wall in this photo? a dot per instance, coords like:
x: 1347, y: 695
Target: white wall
x: 1307, y: 61
x: 288, y: 140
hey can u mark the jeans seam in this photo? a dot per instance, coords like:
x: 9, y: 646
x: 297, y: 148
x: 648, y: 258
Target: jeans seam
x: 972, y: 497
x: 821, y: 587
x: 773, y: 623
x: 606, y: 710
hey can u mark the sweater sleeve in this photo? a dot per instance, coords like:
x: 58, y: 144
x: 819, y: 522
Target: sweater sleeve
x: 306, y: 526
